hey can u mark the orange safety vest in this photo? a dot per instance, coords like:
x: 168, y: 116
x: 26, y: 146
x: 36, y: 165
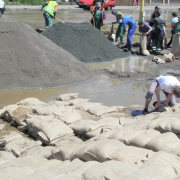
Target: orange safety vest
x: 102, y: 11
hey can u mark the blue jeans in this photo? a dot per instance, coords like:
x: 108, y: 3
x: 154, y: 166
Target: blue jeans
x: 130, y: 34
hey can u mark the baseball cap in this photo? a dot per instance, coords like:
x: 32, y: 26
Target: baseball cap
x: 157, y: 7
x: 98, y: 4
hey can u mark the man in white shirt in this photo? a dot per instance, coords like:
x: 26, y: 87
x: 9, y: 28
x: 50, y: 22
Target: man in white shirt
x: 170, y: 85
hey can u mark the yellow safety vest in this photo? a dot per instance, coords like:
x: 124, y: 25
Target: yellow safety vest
x: 50, y: 7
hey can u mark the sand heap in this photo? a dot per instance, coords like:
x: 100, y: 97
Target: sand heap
x: 29, y: 59
x: 84, y: 41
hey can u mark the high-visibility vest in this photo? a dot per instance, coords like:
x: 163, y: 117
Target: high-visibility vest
x: 50, y: 7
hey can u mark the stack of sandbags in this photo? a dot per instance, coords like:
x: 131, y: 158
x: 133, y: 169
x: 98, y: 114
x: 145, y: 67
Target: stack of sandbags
x: 92, y: 128
x: 17, y: 144
x: 108, y: 170
x: 166, y: 142
x: 15, y: 114
x: 47, y: 128
x: 104, y: 150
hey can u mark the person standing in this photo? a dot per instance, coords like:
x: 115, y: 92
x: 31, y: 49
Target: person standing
x: 173, y: 24
x: 170, y: 86
x: 99, y: 15
x: 177, y: 26
x: 153, y: 15
x: 120, y: 29
x: 129, y: 23
x: 50, y: 10
x: 158, y: 33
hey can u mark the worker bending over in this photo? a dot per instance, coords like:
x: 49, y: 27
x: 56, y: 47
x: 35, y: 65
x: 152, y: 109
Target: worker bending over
x: 120, y: 29
x: 99, y: 15
x: 129, y: 23
x: 170, y: 85
x: 50, y: 9
x: 146, y: 29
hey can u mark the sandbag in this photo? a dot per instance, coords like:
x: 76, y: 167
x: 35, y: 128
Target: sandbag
x: 98, y: 131
x: 152, y: 172
x: 77, y: 101
x: 16, y: 113
x: 5, y: 157
x: 176, y: 45
x: 131, y: 155
x: 66, y: 140
x: 59, y: 103
x: 80, y: 152
x: 166, y: 159
x: 108, y: 170
x: 86, y: 105
x: 28, y: 161
x: 168, y: 57
x: 8, y: 136
x: 37, y: 150
x: 103, y: 148
x: 66, y: 97
x: 84, y: 126
x: 47, y: 128
x: 17, y: 146
x: 166, y: 142
x: 45, y: 109
x: 15, y: 173
x: 30, y: 102
x: 141, y: 139
x: 69, y: 116
x: 143, y: 45
x: 101, y: 109
x: 62, y: 153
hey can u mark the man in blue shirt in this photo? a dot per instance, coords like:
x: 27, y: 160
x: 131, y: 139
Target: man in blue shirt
x: 129, y: 23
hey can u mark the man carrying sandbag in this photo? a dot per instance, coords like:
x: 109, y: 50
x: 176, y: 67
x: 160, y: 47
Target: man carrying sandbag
x: 146, y: 29
x: 170, y: 85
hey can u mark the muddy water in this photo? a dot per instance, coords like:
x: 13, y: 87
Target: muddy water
x: 102, y: 88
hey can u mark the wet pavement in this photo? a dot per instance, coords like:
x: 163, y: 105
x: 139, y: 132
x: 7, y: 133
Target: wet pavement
x: 103, y: 88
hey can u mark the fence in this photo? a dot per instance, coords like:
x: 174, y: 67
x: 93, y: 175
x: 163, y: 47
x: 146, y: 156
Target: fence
x: 149, y: 2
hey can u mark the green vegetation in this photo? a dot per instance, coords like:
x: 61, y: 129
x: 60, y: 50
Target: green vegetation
x: 23, y: 2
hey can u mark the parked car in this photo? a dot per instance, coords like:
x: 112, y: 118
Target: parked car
x: 2, y: 7
x: 88, y: 3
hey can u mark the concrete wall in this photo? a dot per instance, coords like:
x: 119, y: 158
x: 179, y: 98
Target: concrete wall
x: 152, y: 2
x: 124, y: 2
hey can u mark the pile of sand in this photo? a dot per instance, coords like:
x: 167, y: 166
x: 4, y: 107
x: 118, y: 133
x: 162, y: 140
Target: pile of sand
x: 29, y: 59
x: 84, y: 42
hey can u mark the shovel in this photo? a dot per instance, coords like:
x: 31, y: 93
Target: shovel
x: 110, y: 34
x: 59, y: 20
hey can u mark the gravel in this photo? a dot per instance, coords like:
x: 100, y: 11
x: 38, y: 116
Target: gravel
x: 85, y: 42
x: 29, y: 59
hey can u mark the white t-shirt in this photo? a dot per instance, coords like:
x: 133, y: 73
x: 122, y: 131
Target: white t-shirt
x: 166, y: 82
